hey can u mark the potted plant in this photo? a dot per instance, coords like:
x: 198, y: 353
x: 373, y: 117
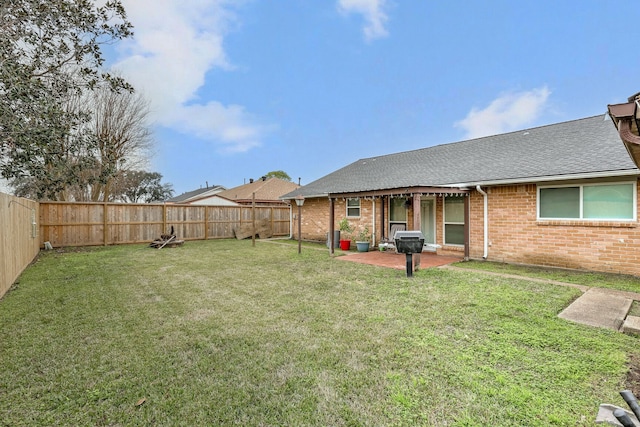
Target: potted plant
x: 362, y: 240
x: 345, y: 234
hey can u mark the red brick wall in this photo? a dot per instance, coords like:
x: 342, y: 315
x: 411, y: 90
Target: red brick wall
x: 516, y: 237
x: 514, y: 234
x: 315, y: 218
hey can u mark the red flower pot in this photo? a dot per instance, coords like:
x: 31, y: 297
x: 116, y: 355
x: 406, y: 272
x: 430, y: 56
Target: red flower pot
x: 345, y: 244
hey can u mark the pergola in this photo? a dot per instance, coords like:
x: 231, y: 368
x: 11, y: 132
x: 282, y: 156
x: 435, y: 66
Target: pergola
x: 415, y: 193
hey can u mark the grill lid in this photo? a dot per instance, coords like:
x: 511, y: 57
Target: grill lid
x: 408, y: 234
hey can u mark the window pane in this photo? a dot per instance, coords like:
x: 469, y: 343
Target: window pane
x: 454, y: 209
x: 560, y: 202
x: 353, y: 207
x: 608, y: 201
x: 397, y: 210
x: 454, y: 234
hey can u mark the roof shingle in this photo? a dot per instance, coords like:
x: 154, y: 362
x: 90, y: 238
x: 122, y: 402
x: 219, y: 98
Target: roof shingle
x: 568, y: 149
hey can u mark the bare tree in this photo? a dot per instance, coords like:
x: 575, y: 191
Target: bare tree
x: 122, y: 135
x: 122, y: 142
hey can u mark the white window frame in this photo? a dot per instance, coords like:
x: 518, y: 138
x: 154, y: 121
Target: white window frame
x: 406, y: 210
x: 445, y: 222
x: 347, y: 207
x: 581, y: 201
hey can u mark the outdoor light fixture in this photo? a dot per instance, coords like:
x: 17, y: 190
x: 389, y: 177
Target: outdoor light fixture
x: 299, y: 201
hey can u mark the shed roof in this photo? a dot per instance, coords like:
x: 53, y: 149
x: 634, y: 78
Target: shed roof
x: 568, y: 150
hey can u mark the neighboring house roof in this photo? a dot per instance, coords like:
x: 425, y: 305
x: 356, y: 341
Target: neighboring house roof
x: 266, y: 190
x: 212, y: 200
x: 196, y: 194
x: 575, y: 149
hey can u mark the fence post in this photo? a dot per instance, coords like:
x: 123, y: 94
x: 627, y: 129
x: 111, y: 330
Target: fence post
x: 206, y: 228
x: 105, y: 234
x: 272, y: 221
x: 253, y: 218
x: 164, y: 218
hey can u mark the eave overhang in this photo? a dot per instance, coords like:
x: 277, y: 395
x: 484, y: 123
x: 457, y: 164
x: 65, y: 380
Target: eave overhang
x: 399, y: 192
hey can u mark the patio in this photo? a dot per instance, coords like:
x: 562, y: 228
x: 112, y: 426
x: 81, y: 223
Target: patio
x: 391, y: 259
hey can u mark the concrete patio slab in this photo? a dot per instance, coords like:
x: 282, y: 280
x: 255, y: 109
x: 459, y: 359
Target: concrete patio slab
x: 599, y: 308
x: 398, y: 261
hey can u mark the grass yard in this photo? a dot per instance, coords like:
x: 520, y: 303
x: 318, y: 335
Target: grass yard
x: 588, y: 278
x: 223, y: 333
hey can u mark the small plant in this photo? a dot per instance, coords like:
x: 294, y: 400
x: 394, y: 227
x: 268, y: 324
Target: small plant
x: 345, y: 228
x: 364, y: 235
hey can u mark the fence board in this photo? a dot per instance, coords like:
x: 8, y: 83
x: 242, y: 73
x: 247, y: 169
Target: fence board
x: 87, y: 224
x: 19, y: 242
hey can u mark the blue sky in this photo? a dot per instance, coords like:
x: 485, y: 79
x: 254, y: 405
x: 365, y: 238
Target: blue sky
x: 241, y: 88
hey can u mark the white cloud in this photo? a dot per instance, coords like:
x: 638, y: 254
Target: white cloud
x: 226, y: 124
x: 175, y: 44
x: 373, y: 13
x: 508, y: 112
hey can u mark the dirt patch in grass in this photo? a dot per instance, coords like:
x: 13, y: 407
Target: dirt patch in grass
x: 633, y: 376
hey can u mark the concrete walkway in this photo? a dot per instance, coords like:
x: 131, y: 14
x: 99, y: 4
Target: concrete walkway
x: 599, y: 307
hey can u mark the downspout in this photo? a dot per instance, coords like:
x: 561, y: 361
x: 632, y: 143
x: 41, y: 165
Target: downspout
x: 485, y: 225
x: 373, y: 225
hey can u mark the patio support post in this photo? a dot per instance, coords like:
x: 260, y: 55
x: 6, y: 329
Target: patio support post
x: 417, y: 222
x: 466, y: 226
x: 383, y: 229
x: 331, y: 226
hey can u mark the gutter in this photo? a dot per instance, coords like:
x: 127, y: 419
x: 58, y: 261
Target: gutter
x: 485, y: 225
x: 307, y: 196
x: 535, y: 180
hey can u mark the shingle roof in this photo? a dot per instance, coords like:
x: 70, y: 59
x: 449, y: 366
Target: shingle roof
x: 195, y: 193
x: 568, y: 149
x: 266, y: 190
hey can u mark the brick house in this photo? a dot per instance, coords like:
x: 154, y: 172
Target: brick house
x: 563, y: 195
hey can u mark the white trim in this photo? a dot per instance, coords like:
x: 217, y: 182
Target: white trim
x: 347, y: 207
x: 431, y: 246
x: 581, y: 187
x: 485, y: 221
x: 404, y: 221
x: 445, y: 223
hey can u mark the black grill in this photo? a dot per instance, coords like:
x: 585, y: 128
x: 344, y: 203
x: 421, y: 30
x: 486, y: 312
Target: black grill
x: 409, y: 243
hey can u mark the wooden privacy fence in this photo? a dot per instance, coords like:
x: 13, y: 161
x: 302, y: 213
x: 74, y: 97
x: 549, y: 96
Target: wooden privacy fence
x: 86, y: 224
x: 19, y: 242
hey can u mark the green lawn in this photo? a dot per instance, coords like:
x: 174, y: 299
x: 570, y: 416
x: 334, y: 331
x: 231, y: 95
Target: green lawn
x: 587, y: 278
x: 223, y: 333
